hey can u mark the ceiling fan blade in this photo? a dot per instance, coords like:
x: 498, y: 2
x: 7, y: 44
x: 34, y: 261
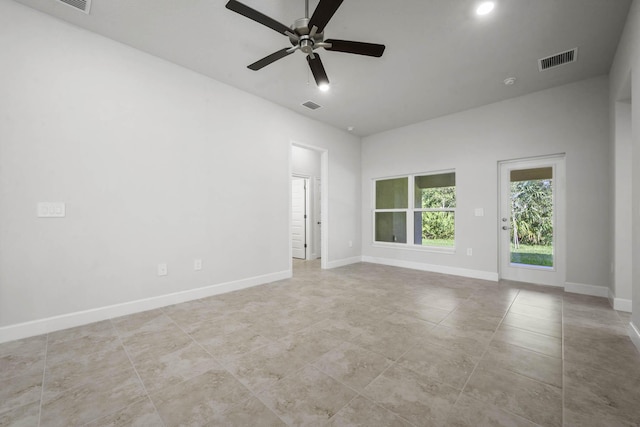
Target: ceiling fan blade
x: 359, y: 48
x: 317, y: 69
x: 260, y: 18
x: 270, y: 59
x: 323, y: 13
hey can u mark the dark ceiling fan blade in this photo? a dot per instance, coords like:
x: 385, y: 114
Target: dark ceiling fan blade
x: 260, y: 18
x: 317, y: 69
x: 359, y: 48
x: 323, y: 13
x: 270, y: 59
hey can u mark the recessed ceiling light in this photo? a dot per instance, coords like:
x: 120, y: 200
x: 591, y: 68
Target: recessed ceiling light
x: 485, y: 8
x: 324, y: 87
x: 350, y: 128
x: 509, y: 81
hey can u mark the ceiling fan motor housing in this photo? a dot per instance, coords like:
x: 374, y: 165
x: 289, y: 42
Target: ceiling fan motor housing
x: 306, y: 42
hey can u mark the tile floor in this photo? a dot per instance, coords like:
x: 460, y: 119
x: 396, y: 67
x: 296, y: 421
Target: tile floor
x: 360, y: 345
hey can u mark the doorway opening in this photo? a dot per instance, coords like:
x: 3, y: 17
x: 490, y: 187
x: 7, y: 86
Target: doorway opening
x: 308, y: 202
x: 531, y: 225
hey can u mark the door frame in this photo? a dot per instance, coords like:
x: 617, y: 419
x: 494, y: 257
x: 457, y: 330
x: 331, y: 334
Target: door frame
x: 324, y: 196
x: 307, y: 219
x: 555, y: 276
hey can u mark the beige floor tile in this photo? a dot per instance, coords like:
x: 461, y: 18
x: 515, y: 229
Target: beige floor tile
x: 520, y: 395
x: 21, y: 364
x: 91, y: 399
x: 139, y: 414
x: 471, y: 342
x: 580, y: 418
x: 391, y: 341
x: 545, y: 344
x: 21, y: 416
x: 151, y: 320
x: 250, y: 412
x: 469, y: 412
x: 404, y: 339
x: 544, y: 313
x: 415, y: 397
x: 473, y: 320
x: 265, y: 366
x: 28, y: 346
x: 362, y: 412
x: 158, y: 341
x: 531, y: 364
x: 158, y: 371
x: 605, y: 348
x: 63, y: 374
x: 199, y: 400
x: 308, y: 344
x: 352, y: 365
x: 228, y: 346
x: 448, y: 366
x: 534, y: 324
x: 20, y: 391
x: 308, y: 397
x: 601, y: 394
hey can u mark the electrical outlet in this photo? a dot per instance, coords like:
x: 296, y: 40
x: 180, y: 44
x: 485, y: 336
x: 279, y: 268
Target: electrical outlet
x: 197, y: 264
x: 469, y: 251
x: 162, y: 269
x: 51, y: 210
x: 350, y: 243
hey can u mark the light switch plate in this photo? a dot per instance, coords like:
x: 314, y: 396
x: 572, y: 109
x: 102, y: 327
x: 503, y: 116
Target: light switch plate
x: 162, y: 269
x: 197, y: 264
x: 51, y: 210
x: 479, y: 212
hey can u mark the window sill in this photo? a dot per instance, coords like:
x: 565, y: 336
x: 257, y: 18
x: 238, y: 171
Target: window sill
x: 407, y: 247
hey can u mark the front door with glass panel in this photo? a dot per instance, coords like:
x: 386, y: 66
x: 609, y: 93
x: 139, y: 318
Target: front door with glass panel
x: 531, y: 223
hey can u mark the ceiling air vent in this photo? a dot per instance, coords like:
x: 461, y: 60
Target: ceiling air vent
x: 311, y: 105
x: 81, y: 5
x: 558, y: 59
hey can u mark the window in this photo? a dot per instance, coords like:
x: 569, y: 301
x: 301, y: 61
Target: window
x: 423, y: 203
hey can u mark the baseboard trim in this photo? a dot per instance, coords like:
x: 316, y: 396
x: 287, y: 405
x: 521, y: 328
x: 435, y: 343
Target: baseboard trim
x: 343, y: 262
x: 474, y: 274
x: 593, y: 290
x: 70, y: 320
x: 620, y: 304
x: 634, y: 334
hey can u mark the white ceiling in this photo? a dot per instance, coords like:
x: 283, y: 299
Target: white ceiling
x: 440, y: 58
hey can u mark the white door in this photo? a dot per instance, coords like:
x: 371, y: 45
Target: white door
x: 298, y: 217
x: 532, y: 221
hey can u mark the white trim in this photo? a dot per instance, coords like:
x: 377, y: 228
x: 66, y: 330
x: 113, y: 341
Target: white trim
x: 414, y: 247
x: 634, y: 334
x: 64, y: 321
x: 464, y: 272
x: 343, y: 262
x: 620, y: 304
x: 593, y: 290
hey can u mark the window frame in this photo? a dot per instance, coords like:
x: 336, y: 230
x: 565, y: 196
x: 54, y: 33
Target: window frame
x: 410, y: 212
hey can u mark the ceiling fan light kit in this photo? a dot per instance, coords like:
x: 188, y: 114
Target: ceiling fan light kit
x: 307, y: 35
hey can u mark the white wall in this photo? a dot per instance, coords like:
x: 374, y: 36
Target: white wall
x: 571, y: 119
x: 625, y: 79
x: 155, y: 164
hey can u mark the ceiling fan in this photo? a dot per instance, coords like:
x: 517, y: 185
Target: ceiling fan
x: 306, y: 35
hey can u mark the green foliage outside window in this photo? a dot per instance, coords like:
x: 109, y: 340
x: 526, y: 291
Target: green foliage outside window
x: 532, y: 212
x: 438, y: 225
